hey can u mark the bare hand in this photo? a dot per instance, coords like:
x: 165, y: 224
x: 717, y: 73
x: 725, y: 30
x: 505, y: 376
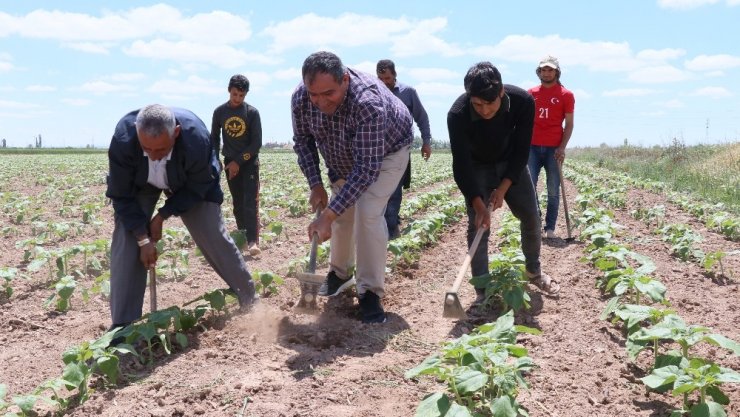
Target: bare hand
x: 232, y: 169
x: 426, y: 151
x: 155, y: 228
x: 482, y: 214
x: 318, y: 198
x: 497, y: 198
x: 322, y: 225
x: 148, y: 255
x: 560, y: 155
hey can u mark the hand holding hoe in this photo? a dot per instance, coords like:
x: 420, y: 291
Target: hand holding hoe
x: 452, y: 307
x: 565, y: 202
x: 309, y: 280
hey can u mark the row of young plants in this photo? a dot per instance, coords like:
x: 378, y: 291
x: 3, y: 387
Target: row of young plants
x: 713, y: 215
x: 639, y: 301
x: 484, y: 371
x: 156, y: 333
x: 683, y: 240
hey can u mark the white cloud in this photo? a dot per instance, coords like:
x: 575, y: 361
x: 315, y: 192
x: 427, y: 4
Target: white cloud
x: 18, y: 105
x: 628, y: 92
x: 581, y: 94
x: 658, y: 74
x: 5, y: 66
x: 713, y: 62
x: 713, y: 92
x: 733, y: 3
x: 421, y: 41
x: 90, y: 47
x: 141, y: 22
x: 406, y: 36
x: 684, y: 4
x: 223, y: 56
x: 596, y: 56
x: 660, y: 54
x: 40, y: 88
x: 77, y: 102
x: 103, y: 87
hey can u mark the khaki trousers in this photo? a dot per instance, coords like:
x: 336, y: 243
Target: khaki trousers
x: 361, y: 233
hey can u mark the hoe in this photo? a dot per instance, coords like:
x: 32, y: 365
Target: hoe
x: 452, y: 307
x: 309, y: 280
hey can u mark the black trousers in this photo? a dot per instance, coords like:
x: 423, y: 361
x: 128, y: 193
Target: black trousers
x: 244, y: 188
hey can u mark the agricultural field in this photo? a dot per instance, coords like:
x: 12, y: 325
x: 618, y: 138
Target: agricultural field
x: 647, y: 320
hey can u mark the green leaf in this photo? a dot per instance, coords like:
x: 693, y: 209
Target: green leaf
x: 722, y: 341
x: 182, y: 340
x: 662, y: 376
x: 717, y: 395
x: 504, y: 406
x: 429, y: 366
x: 469, y: 381
x: 108, y: 365
x: 456, y: 410
x: 707, y: 409
x: 433, y: 405
x: 75, y: 375
x: 25, y: 402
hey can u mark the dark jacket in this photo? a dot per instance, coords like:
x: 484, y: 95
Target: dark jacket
x: 192, y: 171
x: 502, y: 141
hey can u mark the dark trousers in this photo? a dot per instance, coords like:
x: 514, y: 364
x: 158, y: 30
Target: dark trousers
x: 244, y: 188
x: 522, y: 201
x: 205, y: 224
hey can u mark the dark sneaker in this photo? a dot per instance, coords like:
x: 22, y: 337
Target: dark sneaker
x: 247, y: 298
x: 370, y: 308
x: 119, y: 337
x: 335, y: 285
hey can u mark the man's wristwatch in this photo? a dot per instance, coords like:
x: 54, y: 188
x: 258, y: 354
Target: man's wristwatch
x: 143, y: 242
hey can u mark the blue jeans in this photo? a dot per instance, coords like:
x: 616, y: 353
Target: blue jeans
x: 544, y: 157
x: 522, y: 201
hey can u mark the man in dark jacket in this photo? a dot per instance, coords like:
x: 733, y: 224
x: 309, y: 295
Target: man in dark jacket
x: 159, y: 149
x: 490, y: 127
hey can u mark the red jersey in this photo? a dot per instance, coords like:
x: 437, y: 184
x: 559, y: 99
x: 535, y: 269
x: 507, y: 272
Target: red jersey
x: 551, y: 105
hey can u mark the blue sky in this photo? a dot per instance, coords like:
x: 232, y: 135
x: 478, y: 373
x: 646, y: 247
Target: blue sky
x: 644, y: 70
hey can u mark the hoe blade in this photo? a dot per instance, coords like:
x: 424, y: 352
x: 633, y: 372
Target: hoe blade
x: 453, y: 309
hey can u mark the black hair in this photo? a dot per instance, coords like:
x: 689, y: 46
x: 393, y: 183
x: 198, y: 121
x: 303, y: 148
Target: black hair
x: 239, y: 82
x: 385, y: 65
x: 323, y: 62
x: 483, y: 80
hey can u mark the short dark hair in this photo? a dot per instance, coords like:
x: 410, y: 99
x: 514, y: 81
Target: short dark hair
x: 385, y: 65
x: 323, y: 62
x: 483, y: 80
x: 239, y: 82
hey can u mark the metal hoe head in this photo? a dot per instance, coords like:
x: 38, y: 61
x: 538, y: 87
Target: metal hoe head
x: 310, y: 284
x: 453, y: 309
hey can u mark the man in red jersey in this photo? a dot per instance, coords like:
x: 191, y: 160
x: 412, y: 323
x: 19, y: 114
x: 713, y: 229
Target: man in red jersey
x: 554, y: 104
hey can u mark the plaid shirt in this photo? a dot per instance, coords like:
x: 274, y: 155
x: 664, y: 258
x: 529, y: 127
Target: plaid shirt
x: 369, y: 124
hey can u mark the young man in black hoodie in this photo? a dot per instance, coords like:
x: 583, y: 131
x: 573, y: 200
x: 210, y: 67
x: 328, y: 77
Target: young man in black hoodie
x: 242, y: 131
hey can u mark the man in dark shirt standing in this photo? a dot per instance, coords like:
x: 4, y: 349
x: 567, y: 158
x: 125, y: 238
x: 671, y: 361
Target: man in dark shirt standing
x: 490, y: 128
x: 386, y: 70
x: 158, y: 149
x: 242, y: 131
x: 364, y: 134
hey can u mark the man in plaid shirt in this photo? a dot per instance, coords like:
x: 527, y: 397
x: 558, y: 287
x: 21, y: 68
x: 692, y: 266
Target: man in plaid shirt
x: 364, y: 134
